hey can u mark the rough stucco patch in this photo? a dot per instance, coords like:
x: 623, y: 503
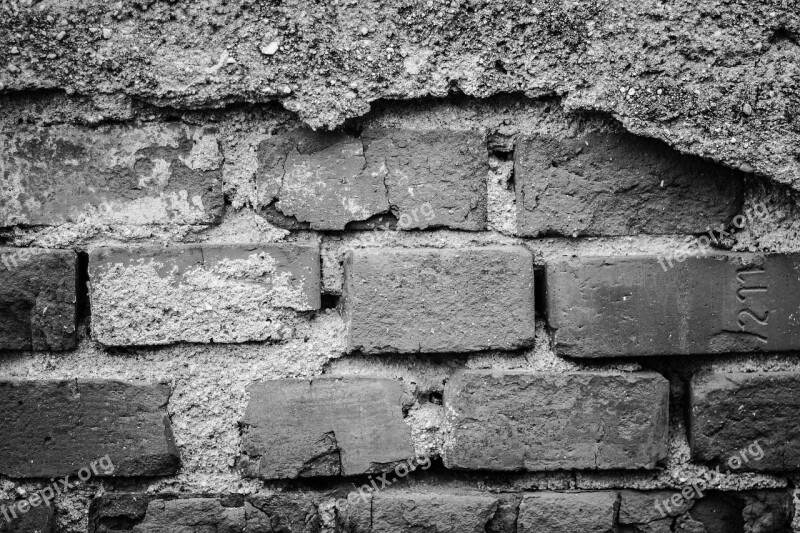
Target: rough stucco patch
x: 348, y: 426
x: 113, y: 174
x: 213, y: 293
x: 618, y: 184
x: 713, y: 79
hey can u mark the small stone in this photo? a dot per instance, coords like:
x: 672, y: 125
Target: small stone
x: 230, y: 61
x: 61, y: 35
x: 107, y: 33
x: 364, y: 30
x: 270, y: 49
x: 285, y: 89
x: 13, y: 68
x: 746, y: 109
x: 51, y: 56
x: 14, y: 50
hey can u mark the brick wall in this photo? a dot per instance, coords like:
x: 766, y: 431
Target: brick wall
x: 487, y: 315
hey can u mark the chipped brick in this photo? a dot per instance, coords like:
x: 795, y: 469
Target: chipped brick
x: 325, y: 427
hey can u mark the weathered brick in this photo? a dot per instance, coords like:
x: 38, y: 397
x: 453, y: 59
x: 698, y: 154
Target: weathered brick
x: 442, y: 168
x: 543, y: 421
x: 618, y: 184
x: 320, y: 178
x: 746, y: 421
x: 328, y: 180
x: 285, y: 512
x: 55, y: 428
x: 190, y: 515
x: 631, y: 306
x: 439, y: 300
x: 439, y: 512
x: 568, y: 512
x: 38, y: 519
x: 145, y: 174
x: 324, y: 427
x: 766, y: 511
x: 209, y: 293
x: 37, y: 299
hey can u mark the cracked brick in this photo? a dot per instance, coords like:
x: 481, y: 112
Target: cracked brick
x: 324, y: 427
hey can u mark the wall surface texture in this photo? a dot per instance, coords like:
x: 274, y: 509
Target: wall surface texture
x: 391, y: 266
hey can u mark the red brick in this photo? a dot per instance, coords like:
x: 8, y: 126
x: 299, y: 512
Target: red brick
x: 439, y: 300
x: 517, y: 420
x: 632, y: 305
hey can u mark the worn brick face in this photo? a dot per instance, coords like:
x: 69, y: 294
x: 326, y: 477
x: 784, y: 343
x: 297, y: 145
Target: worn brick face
x: 632, y: 306
x: 293, y: 512
x: 439, y: 300
x: 618, y: 184
x: 147, y: 174
x: 533, y: 421
x: 400, y: 512
x: 446, y: 169
x: 55, y: 428
x: 568, y: 512
x: 328, y: 180
x: 36, y: 519
x: 37, y: 299
x: 209, y: 293
x: 324, y: 427
x: 746, y: 421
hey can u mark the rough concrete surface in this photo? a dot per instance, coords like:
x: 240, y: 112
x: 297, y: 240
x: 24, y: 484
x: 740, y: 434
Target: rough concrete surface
x: 223, y: 293
x: 716, y: 80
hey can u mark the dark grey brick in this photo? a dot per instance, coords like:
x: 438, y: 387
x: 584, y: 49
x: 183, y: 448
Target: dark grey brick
x: 746, y: 421
x: 324, y: 427
x: 618, y: 184
x: 439, y: 300
x: 516, y: 420
x: 37, y: 299
x: 55, y: 428
x: 614, y: 306
x: 568, y: 512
